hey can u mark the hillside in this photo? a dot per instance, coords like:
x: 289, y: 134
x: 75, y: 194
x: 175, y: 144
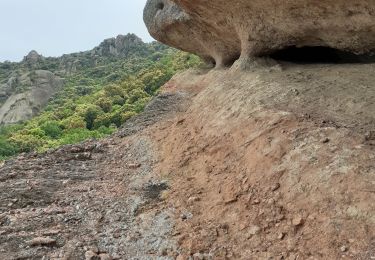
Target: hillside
x: 84, y: 95
x: 221, y: 165
x: 27, y: 86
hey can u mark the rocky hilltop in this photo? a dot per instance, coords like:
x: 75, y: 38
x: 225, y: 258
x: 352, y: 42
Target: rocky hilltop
x: 27, y: 86
x: 120, y: 46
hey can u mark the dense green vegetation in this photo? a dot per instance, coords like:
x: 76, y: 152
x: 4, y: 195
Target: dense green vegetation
x: 96, y: 100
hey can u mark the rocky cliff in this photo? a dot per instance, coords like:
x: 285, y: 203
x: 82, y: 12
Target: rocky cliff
x: 225, y: 31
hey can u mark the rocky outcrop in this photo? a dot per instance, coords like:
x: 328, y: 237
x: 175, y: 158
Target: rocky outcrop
x: 223, y: 31
x: 25, y: 95
x: 119, y: 46
x: 33, y: 57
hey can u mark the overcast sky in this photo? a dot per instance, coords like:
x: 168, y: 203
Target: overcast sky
x: 55, y: 27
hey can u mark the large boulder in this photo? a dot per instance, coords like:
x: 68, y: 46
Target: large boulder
x: 223, y: 31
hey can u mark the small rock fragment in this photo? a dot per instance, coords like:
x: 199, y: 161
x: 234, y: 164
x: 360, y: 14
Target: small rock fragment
x: 83, y: 156
x: 51, y: 232
x: 370, y: 135
x: 42, y: 241
x: 275, y: 187
x: 343, y: 249
x: 281, y: 236
x: 94, y: 249
x: 134, y: 165
x: 90, y: 255
x: 105, y: 257
x: 186, y: 215
x: 256, y: 201
x: 163, y: 251
x: 297, y: 221
x: 231, y: 200
x: 254, y: 230
x: 191, y: 200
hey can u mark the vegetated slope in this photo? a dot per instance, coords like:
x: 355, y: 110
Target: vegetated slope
x: 36, y: 73
x: 102, y: 89
x: 275, y: 163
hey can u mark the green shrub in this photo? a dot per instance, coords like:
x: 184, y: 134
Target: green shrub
x: 7, y: 149
x: 52, y: 129
x: 28, y: 141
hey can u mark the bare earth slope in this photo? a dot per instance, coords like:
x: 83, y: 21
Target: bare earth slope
x: 277, y: 163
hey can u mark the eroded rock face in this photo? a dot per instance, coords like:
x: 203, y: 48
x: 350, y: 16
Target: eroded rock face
x: 222, y: 31
x: 28, y: 94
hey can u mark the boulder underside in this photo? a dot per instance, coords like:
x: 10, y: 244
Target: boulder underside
x: 224, y: 31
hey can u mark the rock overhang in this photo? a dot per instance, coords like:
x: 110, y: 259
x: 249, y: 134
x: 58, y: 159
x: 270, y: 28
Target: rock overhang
x: 225, y: 31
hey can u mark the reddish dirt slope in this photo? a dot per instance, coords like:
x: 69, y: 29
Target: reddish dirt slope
x: 274, y: 164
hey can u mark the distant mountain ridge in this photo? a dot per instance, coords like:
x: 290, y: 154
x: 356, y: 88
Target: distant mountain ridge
x: 27, y: 86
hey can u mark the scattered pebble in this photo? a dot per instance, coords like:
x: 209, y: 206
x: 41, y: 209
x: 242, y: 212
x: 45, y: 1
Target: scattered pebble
x: 191, y: 200
x: 256, y: 201
x: 343, y: 249
x: 297, y: 221
x: 134, y: 165
x: 186, y: 216
x: 90, y: 255
x: 275, y: 187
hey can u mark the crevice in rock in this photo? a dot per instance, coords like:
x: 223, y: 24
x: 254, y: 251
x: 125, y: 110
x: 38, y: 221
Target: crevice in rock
x: 320, y: 55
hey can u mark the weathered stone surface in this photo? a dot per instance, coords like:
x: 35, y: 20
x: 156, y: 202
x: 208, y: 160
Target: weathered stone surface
x: 26, y: 94
x: 222, y: 31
